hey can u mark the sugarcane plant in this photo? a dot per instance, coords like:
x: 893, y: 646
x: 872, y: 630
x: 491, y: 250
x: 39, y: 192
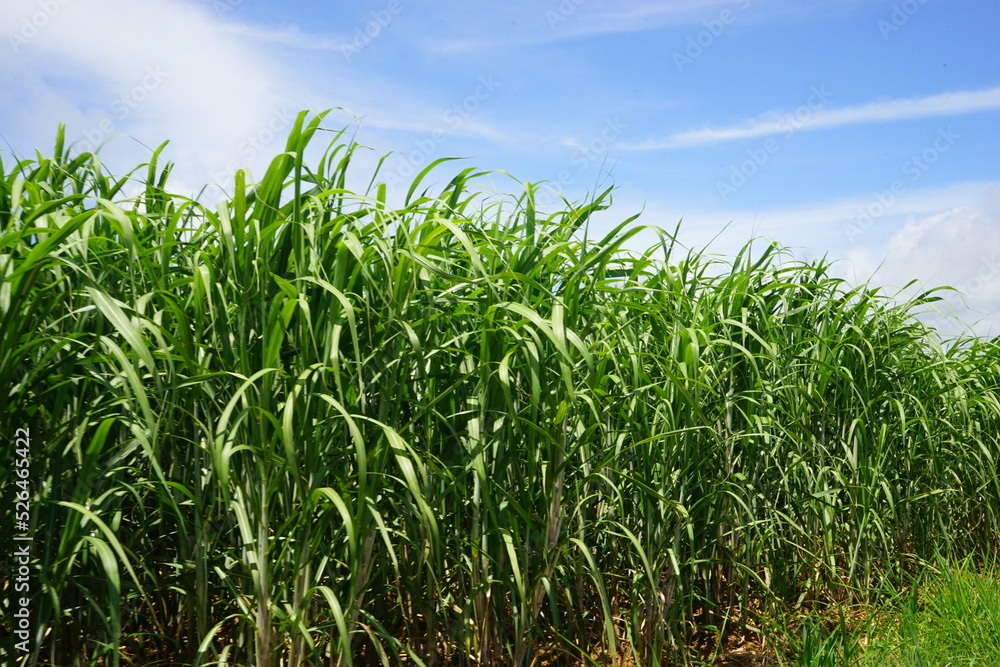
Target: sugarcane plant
x: 306, y: 426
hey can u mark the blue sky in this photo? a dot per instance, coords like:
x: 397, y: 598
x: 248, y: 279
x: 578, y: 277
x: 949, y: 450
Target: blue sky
x: 863, y: 130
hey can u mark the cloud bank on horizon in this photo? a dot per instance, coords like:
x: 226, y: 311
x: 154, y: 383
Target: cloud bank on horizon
x: 863, y: 131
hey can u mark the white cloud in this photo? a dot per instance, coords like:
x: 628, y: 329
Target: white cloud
x: 773, y: 122
x: 287, y: 36
x: 959, y: 248
x: 558, y: 20
x: 939, y: 236
x: 171, y: 69
x: 155, y: 70
x: 554, y: 21
x: 823, y: 224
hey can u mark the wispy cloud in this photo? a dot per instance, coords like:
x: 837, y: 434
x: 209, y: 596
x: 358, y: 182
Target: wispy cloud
x: 153, y: 70
x: 816, y: 224
x: 553, y: 21
x: 287, y: 36
x: 772, y: 122
x: 443, y: 122
x: 956, y: 247
x: 946, y: 235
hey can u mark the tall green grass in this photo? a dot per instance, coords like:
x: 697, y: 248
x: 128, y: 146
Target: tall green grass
x: 305, y: 427
x: 950, y: 617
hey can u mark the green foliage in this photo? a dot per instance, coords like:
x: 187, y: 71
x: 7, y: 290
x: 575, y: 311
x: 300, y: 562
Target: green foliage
x: 951, y: 616
x: 305, y: 427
